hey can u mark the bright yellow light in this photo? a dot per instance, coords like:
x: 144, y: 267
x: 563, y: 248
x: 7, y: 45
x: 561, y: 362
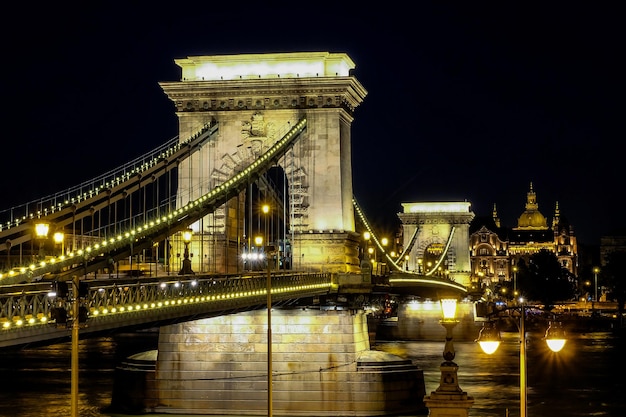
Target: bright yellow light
x: 448, y: 308
x: 258, y: 240
x: 384, y: 241
x: 283, y: 65
x: 555, y: 345
x: 265, y: 208
x: 489, y: 346
x: 367, y: 236
x: 58, y: 237
x: 187, y: 235
x: 555, y: 336
x: 41, y: 229
x: 489, y: 338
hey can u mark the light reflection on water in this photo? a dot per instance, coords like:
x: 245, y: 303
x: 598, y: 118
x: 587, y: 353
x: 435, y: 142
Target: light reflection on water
x: 582, y: 380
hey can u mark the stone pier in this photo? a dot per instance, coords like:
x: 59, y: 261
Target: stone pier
x: 321, y: 361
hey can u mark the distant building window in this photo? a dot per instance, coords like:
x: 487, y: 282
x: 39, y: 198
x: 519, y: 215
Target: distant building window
x: 483, y: 237
x: 483, y: 251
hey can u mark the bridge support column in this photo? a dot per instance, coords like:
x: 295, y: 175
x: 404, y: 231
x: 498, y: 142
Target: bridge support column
x: 327, y: 252
x: 322, y: 366
x: 419, y: 320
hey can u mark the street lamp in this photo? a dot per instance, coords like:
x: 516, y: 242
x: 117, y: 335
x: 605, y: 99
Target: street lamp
x: 59, y: 239
x: 514, y: 281
x: 41, y: 231
x: 186, y: 263
x: 269, y: 251
x: 489, y: 339
x: 595, y: 283
x: 448, y: 399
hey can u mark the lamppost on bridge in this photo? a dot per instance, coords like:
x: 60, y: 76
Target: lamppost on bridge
x: 448, y: 399
x: 186, y: 263
x: 59, y: 239
x: 41, y: 231
x: 269, y: 252
x: 489, y: 339
x: 269, y: 255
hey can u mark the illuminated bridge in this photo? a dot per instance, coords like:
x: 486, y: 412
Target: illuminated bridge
x: 169, y: 239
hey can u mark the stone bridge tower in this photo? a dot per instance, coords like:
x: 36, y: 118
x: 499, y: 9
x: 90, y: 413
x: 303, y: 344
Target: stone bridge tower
x: 255, y: 98
x: 436, y: 237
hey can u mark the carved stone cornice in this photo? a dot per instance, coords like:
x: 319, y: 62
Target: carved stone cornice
x: 264, y: 94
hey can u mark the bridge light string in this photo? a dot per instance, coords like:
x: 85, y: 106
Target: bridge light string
x: 138, y: 166
x: 199, y: 288
x: 221, y: 189
x: 363, y: 219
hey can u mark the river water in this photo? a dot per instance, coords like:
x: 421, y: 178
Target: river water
x: 585, y: 379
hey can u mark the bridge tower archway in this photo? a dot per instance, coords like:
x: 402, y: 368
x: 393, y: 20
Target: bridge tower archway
x: 255, y: 99
x: 441, y: 244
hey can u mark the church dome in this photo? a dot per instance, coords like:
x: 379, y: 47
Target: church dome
x: 532, y: 218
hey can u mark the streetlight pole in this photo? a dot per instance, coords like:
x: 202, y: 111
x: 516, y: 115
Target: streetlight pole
x: 489, y: 340
x: 522, y: 363
x: 41, y: 231
x: 269, y: 336
x: 514, y: 282
x: 595, y: 283
x: 186, y: 264
x: 269, y: 253
x: 75, y: 333
x: 448, y: 399
x: 59, y: 238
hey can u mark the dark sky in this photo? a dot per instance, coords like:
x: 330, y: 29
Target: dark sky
x: 465, y: 101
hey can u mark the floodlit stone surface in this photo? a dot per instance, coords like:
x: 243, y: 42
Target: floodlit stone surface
x: 321, y: 361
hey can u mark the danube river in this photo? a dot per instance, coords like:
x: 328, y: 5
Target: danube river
x: 585, y: 379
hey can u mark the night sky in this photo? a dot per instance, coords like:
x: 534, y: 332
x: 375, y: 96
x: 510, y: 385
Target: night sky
x: 465, y: 101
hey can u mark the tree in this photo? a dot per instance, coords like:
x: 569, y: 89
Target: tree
x: 545, y: 280
x: 613, y: 277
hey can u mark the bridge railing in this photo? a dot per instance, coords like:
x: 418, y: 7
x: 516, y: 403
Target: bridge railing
x: 43, y: 303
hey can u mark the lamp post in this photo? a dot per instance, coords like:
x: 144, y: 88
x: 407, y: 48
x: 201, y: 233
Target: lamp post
x: 514, y: 281
x: 75, y: 335
x: 41, y: 231
x: 595, y: 283
x: 269, y: 253
x: 59, y: 239
x: 489, y: 339
x: 448, y: 399
x: 268, y: 256
x: 186, y: 263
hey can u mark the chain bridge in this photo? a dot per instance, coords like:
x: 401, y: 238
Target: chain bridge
x: 237, y: 152
x: 251, y: 204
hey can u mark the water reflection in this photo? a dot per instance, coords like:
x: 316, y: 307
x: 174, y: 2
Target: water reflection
x: 583, y: 379
x: 578, y: 381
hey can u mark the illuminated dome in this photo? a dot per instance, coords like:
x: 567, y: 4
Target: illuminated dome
x: 531, y: 218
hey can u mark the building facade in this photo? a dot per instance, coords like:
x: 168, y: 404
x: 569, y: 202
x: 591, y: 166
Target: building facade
x: 495, y: 250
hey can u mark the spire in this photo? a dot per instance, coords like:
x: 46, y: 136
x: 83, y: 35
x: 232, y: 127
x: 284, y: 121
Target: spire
x: 495, y: 216
x: 531, y: 199
x: 557, y: 217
